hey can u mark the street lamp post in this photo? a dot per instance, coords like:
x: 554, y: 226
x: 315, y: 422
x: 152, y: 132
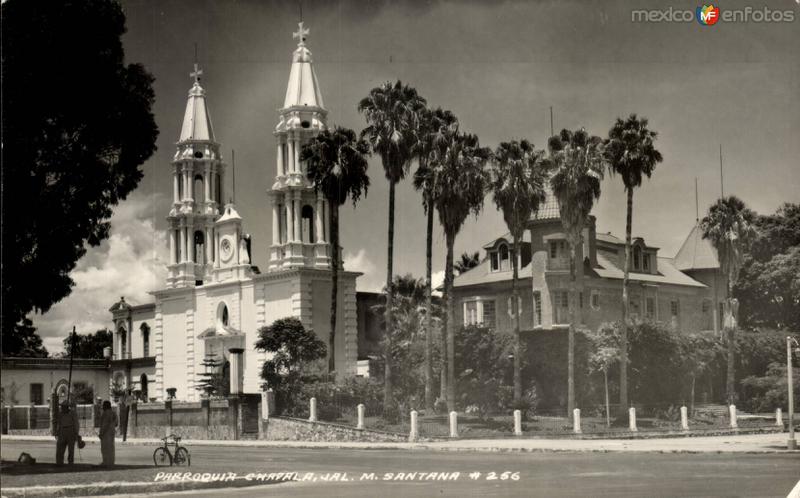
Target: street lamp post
x: 792, y: 443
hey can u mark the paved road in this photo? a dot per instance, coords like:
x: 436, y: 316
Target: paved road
x: 540, y: 474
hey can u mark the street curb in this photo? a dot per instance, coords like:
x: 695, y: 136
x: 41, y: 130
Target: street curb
x: 434, y: 446
x: 112, y: 488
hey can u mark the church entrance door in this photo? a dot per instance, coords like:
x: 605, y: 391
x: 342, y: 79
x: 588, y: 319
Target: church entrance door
x: 250, y: 414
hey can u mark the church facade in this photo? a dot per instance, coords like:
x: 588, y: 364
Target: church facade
x: 214, y: 300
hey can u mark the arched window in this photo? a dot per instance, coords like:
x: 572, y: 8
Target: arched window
x: 637, y: 258
x: 180, y: 186
x: 504, y: 259
x: 218, y: 188
x: 145, y: 329
x: 308, y: 224
x: 199, y: 247
x: 223, y: 317
x: 199, y: 189
x: 123, y: 343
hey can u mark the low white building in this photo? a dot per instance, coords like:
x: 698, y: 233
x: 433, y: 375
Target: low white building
x: 214, y: 301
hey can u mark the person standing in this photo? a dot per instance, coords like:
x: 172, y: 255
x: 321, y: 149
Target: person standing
x: 108, y: 429
x: 67, y: 434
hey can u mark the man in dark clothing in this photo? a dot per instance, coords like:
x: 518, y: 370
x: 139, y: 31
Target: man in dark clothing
x: 67, y: 434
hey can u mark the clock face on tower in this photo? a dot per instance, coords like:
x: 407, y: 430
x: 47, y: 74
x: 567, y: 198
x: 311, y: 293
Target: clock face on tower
x: 226, y: 248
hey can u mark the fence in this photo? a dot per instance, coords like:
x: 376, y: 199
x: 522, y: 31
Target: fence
x: 591, y: 420
x: 37, y: 417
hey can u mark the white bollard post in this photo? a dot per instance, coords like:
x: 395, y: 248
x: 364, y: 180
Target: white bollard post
x: 576, y: 420
x: 734, y: 424
x: 414, y: 432
x: 360, y: 409
x: 632, y: 420
x: 779, y: 417
x: 453, y: 424
x: 517, y: 423
x: 684, y: 418
x: 312, y: 410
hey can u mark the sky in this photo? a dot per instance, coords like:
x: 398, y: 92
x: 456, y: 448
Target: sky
x: 499, y: 66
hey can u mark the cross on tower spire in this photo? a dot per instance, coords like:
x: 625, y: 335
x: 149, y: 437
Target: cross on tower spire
x: 197, y: 71
x: 300, y: 34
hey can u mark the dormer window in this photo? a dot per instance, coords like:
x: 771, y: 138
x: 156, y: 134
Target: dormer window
x: 500, y: 260
x: 504, y: 260
x: 637, y: 258
x: 646, y: 263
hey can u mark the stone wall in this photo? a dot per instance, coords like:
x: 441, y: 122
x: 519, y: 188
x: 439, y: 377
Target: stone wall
x: 292, y: 429
x: 215, y: 432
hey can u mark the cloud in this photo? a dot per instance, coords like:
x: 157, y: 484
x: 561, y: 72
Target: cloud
x: 437, y: 279
x: 372, y: 280
x: 130, y: 263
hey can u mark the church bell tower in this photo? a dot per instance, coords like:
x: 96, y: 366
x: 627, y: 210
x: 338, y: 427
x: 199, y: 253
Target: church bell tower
x: 300, y: 231
x: 197, y: 184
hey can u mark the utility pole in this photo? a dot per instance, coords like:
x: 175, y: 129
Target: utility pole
x: 551, y: 122
x: 791, y: 444
x: 71, y: 355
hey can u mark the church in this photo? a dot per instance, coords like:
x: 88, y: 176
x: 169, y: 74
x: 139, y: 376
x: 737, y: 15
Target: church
x: 214, y: 300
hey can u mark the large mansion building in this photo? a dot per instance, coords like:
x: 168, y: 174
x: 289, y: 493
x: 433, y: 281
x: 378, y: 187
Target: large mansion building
x: 685, y: 292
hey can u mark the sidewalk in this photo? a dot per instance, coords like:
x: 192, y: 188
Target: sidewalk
x: 751, y: 443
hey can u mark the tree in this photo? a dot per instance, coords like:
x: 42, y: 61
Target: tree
x: 605, y: 352
x: 518, y: 180
x: 729, y: 226
x: 410, y: 316
x: 630, y: 153
x: 768, y: 288
x: 430, y: 124
x: 24, y: 342
x: 72, y: 146
x: 460, y: 187
x: 212, y: 379
x: 337, y: 167
x: 293, y: 351
x: 578, y: 162
x: 699, y: 352
x: 481, y: 358
x: 391, y: 112
x: 467, y: 262
x: 89, y: 345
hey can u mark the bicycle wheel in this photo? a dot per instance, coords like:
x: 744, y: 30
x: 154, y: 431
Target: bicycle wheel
x: 162, y: 458
x: 182, y: 456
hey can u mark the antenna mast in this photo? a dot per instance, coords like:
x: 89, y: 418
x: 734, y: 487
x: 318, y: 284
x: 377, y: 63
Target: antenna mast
x: 696, y: 203
x: 233, y: 176
x: 551, y: 122
x: 721, y: 184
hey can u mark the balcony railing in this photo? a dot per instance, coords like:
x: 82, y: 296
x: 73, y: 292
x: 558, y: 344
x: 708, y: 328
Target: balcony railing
x: 124, y: 355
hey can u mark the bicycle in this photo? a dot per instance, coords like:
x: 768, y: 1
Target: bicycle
x: 162, y: 455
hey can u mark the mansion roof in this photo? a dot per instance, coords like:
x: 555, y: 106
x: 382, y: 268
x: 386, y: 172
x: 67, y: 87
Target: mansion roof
x: 696, y: 253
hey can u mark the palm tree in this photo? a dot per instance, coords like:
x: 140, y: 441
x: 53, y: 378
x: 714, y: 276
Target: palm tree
x: 467, y: 262
x: 630, y: 153
x: 337, y: 167
x: 459, y: 190
x: 730, y: 227
x: 430, y: 122
x: 518, y: 181
x: 578, y: 162
x: 391, y: 111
